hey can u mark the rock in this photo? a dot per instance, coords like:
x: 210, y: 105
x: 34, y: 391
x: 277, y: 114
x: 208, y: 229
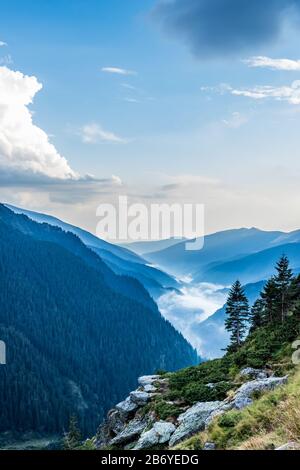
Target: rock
x: 115, y: 422
x: 130, y: 432
x: 212, y: 386
x: 140, y: 398
x: 254, y: 373
x: 244, y: 395
x: 209, y: 446
x: 126, y: 408
x: 148, y: 380
x: 219, y: 411
x: 149, y: 388
x: 193, y: 420
x: 289, y: 446
x: 159, y: 434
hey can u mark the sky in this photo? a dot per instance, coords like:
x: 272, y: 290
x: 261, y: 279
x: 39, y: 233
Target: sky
x: 164, y: 101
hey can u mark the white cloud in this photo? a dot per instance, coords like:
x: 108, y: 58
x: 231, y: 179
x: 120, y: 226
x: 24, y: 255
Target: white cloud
x: 2, y: 44
x: 118, y: 71
x: 24, y: 147
x: 291, y: 93
x: 94, y: 133
x: 274, y: 64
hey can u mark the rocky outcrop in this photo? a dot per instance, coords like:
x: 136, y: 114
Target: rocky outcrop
x: 257, y: 374
x: 140, y: 398
x: 126, y: 422
x: 193, y: 420
x: 133, y: 430
x: 159, y: 434
x: 134, y: 426
x: 244, y: 396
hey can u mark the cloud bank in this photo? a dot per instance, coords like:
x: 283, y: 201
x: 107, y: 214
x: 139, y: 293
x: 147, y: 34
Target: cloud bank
x: 225, y: 27
x: 24, y: 147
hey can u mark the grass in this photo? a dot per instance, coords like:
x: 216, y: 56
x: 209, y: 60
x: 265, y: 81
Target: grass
x: 269, y: 422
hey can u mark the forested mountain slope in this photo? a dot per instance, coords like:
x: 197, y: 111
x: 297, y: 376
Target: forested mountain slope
x: 74, y: 345
x: 121, y: 260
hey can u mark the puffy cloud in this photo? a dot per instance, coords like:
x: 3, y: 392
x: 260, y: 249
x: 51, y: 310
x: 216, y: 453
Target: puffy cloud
x: 94, y: 133
x: 118, y: 71
x: 274, y: 64
x: 2, y: 44
x: 25, y: 148
x: 224, y: 27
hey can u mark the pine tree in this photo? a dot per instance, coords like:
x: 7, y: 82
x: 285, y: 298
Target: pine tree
x: 237, y: 311
x: 283, y: 281
x: 257, y: 315
x: 72, y: 438
x: 269, y: 298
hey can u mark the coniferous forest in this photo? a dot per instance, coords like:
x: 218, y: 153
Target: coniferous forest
x: 76, y: 340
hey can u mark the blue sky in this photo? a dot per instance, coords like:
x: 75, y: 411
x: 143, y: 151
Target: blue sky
x: 192, y: 110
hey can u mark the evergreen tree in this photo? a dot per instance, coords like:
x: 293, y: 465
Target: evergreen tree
x: 283, y: 281
x: 257, y: 315
x: 72, y: 439
x: 269, y: 298
x: 237, y: 311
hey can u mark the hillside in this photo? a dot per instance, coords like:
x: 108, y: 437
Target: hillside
x: 248, y: 399
x: 75, y: 343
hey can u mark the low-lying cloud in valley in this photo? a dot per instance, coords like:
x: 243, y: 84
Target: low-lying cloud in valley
x: 190, y: 307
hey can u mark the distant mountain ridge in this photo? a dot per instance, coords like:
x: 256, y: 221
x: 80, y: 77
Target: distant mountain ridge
x: 220, y: 247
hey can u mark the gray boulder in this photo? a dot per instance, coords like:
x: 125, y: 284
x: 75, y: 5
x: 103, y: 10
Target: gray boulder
x: 209, y: 446
x: 126, y: 408
x: 148, y: 380
x: 193, y: 420
x: 130, y: 432
x: 244, y: 395
x: 159, y: 434
x: 140, y: 398
x: 149, y: 388
x: 115, y: 422
x: 257, y: 374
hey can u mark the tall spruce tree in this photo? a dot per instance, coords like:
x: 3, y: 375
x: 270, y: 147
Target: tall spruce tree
x: 269, y: 297
x: 283, y: 281
x: 237, y: 311
x: 257, y: 316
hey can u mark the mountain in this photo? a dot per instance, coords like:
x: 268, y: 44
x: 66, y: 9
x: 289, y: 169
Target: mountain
x: 144, y: 247
x: 218, y: 247
x: 120, y: 260
x: 75, y: 343
x: 251, y: 268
